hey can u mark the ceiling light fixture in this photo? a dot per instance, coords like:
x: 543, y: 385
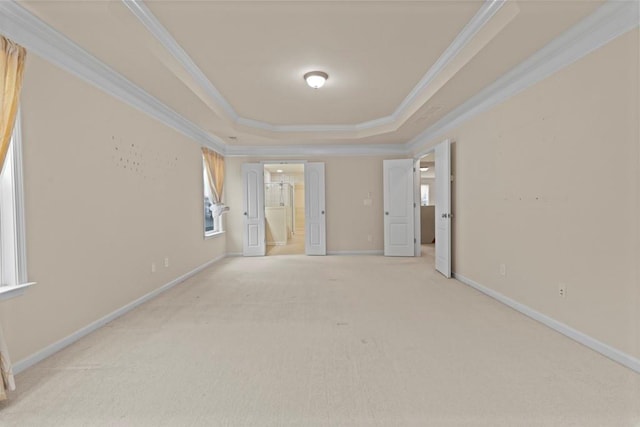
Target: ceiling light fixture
x: 279, y: 171
x: 316, y: 79
x: 424, y: 169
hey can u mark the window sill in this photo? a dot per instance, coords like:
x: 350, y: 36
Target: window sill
x: 213, y: 234
x: 8, y: 292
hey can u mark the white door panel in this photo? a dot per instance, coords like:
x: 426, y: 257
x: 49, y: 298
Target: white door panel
x: 253, y: 210
x: 443, y: 208
x: 398, y: 207
x: 417, y: 179
x: 315, y: 215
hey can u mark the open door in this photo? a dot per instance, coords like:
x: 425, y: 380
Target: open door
x: 417, y: 180
x: 314, y: 207
x: 253, y: 239
x: 399, y: 239
x: 443, y: 208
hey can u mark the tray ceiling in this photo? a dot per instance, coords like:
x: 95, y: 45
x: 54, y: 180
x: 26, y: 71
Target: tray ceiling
x: 252, y: 55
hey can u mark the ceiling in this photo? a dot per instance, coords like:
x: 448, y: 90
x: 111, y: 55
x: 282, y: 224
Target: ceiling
x: 234, y: 68
x: 286, y: 168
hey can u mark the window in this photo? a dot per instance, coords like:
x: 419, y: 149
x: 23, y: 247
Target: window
x: 212, y: 224
x: 13, y: 266
x: 424, y: 194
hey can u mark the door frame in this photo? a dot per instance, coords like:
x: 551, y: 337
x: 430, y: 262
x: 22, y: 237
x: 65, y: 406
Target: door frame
x: 417, y: 197
x: 418, y: 225
x: 285, y: 162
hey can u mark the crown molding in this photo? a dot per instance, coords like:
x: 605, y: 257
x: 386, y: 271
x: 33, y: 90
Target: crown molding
x: 481, y: 18
x: 608, y: 22
x: 316, y: 150
x: 41, y: 39
x: 611, y: 20
x: 148, y: 19
x: 370, y: 127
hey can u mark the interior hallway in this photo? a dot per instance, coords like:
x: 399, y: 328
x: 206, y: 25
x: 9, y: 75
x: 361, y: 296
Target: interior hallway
x: 325, y: 341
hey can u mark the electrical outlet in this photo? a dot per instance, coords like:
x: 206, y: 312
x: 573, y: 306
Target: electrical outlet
x: 503, y: 270
x: 153, y: 267
x: 166, y: 261
x: 562, y: 290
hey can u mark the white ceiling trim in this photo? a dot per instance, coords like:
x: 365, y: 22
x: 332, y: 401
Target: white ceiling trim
x: 611, y: 20
x: 608, y: 22
x: 354, y: 130
x: 381, y: 124
x: 288, y: 151
x: 481, y: 18
x: 38, y: 37
x: 144, y: 15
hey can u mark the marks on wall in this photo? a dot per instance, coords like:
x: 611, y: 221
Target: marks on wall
x: 525, y: 152
x: 139, y: 160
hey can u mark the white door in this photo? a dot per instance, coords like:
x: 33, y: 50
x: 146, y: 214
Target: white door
x: 443, y: 208
x: 398, y: 207
x: 314, y: 208
x: 253, y: 240
x: 417, y: 202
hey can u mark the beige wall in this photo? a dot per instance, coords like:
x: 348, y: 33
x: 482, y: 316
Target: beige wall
x: 348, y: 181
x: 94, y: 222
x: 548, y: 184
x: 427, y: 224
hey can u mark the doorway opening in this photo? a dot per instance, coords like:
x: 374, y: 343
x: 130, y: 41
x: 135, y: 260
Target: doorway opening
x: 284, y: 208
x: 433, y: 189
x: 427, y: 191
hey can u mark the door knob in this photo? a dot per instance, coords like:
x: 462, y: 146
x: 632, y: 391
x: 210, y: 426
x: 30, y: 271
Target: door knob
x: 245, y: 214
x: 386, y: 213
x: 444, y: 215
x: 322, y: 212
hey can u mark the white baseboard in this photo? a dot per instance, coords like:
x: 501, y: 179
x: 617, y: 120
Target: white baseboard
x: 602, y: 348
x: 376, y: 252
x: 70, y: 339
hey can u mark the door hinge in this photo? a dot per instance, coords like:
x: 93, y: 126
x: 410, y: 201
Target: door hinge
x: 451, y: 178
x: 414, y: 240
x: 414, y: 204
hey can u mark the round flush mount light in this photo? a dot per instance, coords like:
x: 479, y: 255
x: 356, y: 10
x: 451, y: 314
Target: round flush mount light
x: 316, y: 79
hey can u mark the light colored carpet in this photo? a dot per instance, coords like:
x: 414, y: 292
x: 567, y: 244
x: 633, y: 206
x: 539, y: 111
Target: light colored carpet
x: 324, y: 341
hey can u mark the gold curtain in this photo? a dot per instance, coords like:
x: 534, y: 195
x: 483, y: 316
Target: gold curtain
x: 12, y: 58
x: 7, y: 382
x: 214, y: 164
